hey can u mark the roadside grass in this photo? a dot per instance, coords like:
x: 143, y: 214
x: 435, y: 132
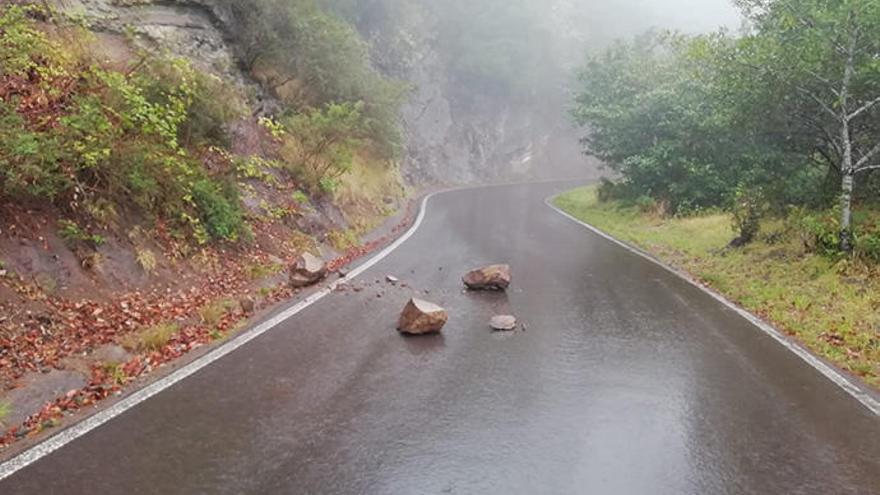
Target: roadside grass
x: 152, y: 339
x: 259, y: 271
x: 212, y: 314
x: 833, y: 307
x: 5, y: 411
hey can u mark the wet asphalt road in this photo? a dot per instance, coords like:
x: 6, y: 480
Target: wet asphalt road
x: 627, y: 380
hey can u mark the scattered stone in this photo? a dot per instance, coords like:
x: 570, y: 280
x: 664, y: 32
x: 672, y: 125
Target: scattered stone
x: 248, y: 305
x: 308, y: 270
x: 503, y: 323
x: 342, y: 272
x: 493, y: 277
x: 422, y: 317
x: 110, y: 353
x: 392, y: 279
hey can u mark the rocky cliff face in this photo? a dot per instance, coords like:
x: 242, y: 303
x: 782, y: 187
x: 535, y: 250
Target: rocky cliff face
x: 451, y: 136
x: 454, y: 135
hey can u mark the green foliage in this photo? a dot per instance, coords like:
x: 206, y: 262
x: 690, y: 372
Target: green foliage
x: 749, y: 209
x: 97, y: 137
x: 343, y: 240
x: 73, y: 233
x: 5, y: 410
x: 313, y: 57
x: 695, y: 120
x: 220, y: 209
x: 21, y: 39
x: 326, y: 139
x: 300, y: 197
x: 820, y: 232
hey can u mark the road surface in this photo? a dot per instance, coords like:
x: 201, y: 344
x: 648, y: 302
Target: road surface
x: 626, y: 380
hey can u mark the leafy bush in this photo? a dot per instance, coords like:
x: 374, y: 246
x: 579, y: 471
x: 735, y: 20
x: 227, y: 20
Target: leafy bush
x: 324, y: 141
x: 86, y: 137
x: 220, y: 209
x: 820, y: 231
x: 749, y: 208
x: 313, y: 57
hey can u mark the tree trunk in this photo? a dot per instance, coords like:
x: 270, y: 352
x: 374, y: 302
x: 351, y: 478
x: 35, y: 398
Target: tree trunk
x: 846, y: 242
x: 848, y: 171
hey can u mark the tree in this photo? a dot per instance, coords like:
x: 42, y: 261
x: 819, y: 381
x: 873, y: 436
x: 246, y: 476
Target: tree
x: 652, y: 114
x: 828, y: 53
x: 326, y: 138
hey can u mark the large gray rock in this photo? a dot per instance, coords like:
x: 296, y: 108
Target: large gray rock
x: 422, y: 317
x: 308, y: 270
x: 493, y: 277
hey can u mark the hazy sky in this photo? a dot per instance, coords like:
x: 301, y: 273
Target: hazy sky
x: 608, y: 19
x: 687, y: 15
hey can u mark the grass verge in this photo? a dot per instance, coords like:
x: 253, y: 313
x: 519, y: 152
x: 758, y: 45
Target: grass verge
x: 832, y: 307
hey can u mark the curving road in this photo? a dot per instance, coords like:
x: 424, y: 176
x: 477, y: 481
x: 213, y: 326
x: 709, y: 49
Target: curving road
x: 627, y: 380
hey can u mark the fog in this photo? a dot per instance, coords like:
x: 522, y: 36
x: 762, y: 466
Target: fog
x: 631, y: 16
x: 591, y: 24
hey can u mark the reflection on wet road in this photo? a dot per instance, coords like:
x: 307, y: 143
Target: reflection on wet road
x: 627, y: 380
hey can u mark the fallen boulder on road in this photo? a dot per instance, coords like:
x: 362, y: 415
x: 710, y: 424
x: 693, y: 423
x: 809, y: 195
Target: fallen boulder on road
x: 494, y: 277
x: 503, y: 323
x: 421, y: 317
x: 308, y: 270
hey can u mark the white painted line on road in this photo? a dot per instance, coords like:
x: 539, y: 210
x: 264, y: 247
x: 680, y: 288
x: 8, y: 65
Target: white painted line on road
x: 832, y: 374
x: 70, y: 434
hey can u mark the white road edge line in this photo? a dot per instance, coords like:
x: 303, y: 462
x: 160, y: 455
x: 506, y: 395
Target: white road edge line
x: 77, y: 430
x: 832, y: 374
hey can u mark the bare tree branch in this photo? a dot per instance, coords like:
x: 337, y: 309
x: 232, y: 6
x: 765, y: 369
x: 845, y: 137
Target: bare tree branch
x: 864, y: 108
x: 867, y: 156
x: 869, y: 167
x: 819, y: 101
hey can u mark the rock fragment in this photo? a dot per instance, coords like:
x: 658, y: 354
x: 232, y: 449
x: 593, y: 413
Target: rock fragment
x: 248, y: 305
x: 307, y: 270
x: 503, y: 323
x: 422, y: 317
x: 493, y: 277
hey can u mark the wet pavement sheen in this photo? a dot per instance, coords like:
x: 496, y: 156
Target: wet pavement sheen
x: 627, y: 380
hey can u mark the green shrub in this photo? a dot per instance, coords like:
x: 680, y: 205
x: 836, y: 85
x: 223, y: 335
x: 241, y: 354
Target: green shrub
x: 100, y: 138
x: 820, y: 230
x: 749, y: 208
x: 73, y: 233
x: 325, y: 143
x: 868, y: 246
x: 609, y: 190
x: 220, y: 209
